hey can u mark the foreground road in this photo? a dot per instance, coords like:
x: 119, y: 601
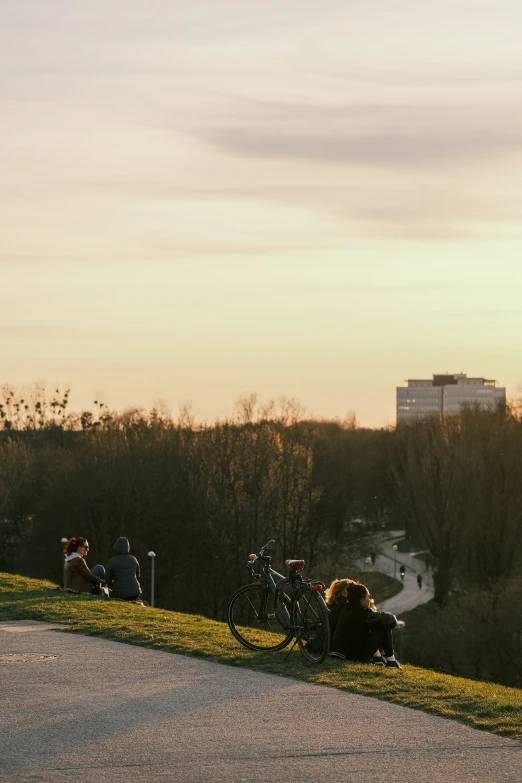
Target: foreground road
x: 104, y: 711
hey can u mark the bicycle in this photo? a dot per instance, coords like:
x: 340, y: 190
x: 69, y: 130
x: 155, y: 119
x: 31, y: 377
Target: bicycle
x: 268, y: 613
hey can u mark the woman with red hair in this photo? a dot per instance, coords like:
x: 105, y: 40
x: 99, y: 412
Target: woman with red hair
x: 76, y: 574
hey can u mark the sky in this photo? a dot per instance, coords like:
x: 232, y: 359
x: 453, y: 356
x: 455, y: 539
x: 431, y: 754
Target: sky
x: 313, y: 200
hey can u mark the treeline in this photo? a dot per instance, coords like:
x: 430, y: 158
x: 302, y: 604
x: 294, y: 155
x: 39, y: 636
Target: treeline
x: 459, y: 484
x: 203, y: 496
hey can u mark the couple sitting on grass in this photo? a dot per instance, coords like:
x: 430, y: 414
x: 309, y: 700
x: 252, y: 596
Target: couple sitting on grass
x: 121, y: 575
x: 358, y: 631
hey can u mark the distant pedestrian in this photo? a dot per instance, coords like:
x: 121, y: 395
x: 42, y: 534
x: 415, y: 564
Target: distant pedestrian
x: 373, y: 556
x: 419, y: 581
x: 402, y: 569
x: 123, y: 572
x: 76, y: 574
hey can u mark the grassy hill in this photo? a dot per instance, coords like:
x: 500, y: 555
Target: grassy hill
x: 482, y: 705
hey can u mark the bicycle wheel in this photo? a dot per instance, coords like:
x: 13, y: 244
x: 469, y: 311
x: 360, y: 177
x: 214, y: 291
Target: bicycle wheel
x: 310, y: 618
x: 253, y: 621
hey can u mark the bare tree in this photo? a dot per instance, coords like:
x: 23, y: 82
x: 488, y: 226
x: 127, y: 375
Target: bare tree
x: 433, y: 473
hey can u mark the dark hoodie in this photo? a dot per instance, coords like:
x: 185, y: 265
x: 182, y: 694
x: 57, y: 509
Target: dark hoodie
x: 354, y: 627
x: 123, y: 571
x: 334, y: 614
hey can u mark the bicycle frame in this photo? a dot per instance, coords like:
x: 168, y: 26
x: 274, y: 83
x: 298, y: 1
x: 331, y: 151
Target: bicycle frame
x: 274, y: 586
x: 294, y: 579
x: 299, y: 613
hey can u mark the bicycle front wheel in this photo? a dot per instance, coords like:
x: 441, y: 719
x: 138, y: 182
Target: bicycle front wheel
x: 255, y: 622
x: 312, y: 626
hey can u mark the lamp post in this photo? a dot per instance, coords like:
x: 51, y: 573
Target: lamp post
x: 395, y: 561
x: 152, y: 555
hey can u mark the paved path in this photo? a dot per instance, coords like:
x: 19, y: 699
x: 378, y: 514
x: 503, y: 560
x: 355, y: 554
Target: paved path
x: 388, y: 562
x: 104, y: 711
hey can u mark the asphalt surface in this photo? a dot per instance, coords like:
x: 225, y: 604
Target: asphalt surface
x: 105, y: 711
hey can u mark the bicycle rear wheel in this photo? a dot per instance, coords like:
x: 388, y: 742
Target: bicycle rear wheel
x: 255, y: 623
x: 312, y: 626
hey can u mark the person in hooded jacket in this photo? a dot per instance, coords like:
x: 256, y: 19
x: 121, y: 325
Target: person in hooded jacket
x: 76, y: 573
x: 362, y: 633
x: 123, y: 572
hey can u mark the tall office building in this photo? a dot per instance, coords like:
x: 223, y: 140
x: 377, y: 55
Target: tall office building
x: 446, y: 394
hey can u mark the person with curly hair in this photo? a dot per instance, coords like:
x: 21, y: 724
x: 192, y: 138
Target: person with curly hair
x: 362, y: 633
x: 335, y: 600
x: 336, y: 597
x: 76, y: 574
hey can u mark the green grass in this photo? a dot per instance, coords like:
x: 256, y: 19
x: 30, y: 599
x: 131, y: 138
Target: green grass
x: 483, y: 705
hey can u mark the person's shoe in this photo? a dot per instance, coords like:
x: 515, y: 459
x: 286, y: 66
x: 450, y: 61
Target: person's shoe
x: 337, y: 655
x: 378, y: 660
x: 393, y: 665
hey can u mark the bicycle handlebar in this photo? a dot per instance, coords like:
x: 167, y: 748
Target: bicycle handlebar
x: 265, y: 550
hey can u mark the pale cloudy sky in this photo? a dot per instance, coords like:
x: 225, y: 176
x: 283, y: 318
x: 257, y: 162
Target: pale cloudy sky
x: 309, y: 199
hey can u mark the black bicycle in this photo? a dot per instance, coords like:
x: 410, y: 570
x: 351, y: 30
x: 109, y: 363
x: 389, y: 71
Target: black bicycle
x: 271, y: 611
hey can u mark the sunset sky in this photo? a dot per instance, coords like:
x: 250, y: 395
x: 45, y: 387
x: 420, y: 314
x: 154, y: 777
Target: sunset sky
x: 310, y: 199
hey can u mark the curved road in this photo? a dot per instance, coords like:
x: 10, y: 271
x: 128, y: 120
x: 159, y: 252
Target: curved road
x: 105, y: 711
x: 388, y: 562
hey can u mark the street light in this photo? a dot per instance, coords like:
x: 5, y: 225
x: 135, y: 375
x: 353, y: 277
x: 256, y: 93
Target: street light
x: 395, y: 547
x: 152, y: 555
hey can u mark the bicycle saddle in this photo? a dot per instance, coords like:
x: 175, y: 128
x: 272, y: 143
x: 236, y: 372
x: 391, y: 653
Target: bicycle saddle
x: 295, y: 565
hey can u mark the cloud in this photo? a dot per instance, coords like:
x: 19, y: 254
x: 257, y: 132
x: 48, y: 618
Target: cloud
x: 380, y: 136
x: 378, y: 148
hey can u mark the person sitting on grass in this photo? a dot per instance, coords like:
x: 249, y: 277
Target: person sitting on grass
x: 336, y: 597
x: 76, y: 574
x: 123, y: 572
x: 362, y: 633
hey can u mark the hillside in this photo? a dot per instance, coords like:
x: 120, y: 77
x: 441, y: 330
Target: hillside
x: 482, y: 705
